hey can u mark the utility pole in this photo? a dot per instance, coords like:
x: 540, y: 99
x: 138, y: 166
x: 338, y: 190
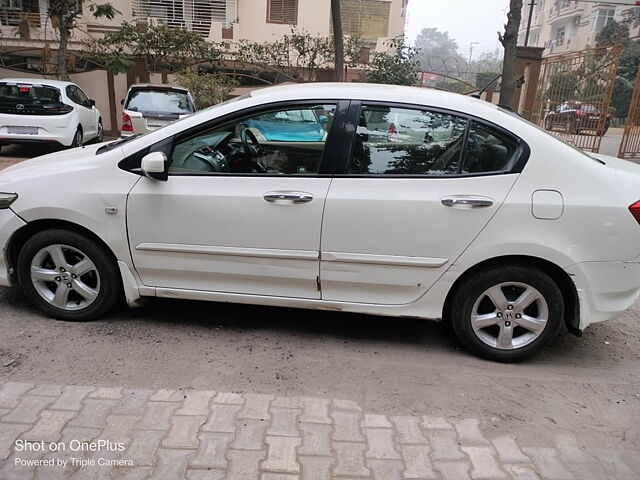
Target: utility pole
x: 470, y: 58
x: 526, y: 37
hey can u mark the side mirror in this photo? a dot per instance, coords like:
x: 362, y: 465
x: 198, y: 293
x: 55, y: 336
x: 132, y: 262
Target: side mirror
x: 122, y: 102
x: 92, y: 102
x: 154, y: 166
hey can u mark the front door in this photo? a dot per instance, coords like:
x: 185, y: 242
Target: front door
x: 242, y: 208
x: 420, y: 187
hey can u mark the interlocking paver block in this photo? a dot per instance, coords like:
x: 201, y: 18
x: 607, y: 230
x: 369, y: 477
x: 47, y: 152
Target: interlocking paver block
x: 157, y: 416
x: 47, y: 390
x: 212, y: 450
x: 131, y: 473
x: 172, y: 464
x: 346, y: 426
x: 184, y: 432
x: 315, y: 439
x: 206, y: 475
x: 284, y: 422
x: 49, y: 427
x: 279, y: 476
x: 348, y: 405
x: 381, y: 443
x: 222, y: 418
x: 386, y: 469
x: 435, y: 423
x: 141, y: 451
x: 281, y: 455
x: 445, y: 445
x: 12, y: 392
x: 453, y: 470
x: 196, y: 403
x: 8, y: 436
x: 409, y: 430
x: 165, y: 395
x: 256, y: 406
x: 250, y: 435
x: 549, y: 466
x: 230, y: 398
x: 612, y: 462
x: 523, y: 472
x: 315, y: 468
x: 287, y: 402
x: 376, y: 421
x: 315, y: 410
x: 244, y: 464
x: 469, y: 432
x: 570, y: 451
x: 71, y: 398
x: 417, y: 461
x: 595, y: 471
x: 508, y: 450
x: 10, y: 470
x: 107, y: 393
x: 28, y: 410
x: 350, y: 459
x: 133, y: 402
x: 94, y: 413
x: 119, y: 428
x: 4, y: 411
x: 484, y: 463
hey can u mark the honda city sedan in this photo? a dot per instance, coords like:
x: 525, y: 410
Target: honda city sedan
x: 415, y: 203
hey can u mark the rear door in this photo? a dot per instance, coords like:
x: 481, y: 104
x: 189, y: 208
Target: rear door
x: 85, y: 111
x: 421, y: 184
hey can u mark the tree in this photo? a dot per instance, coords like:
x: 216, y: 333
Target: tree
x: 398, y: 67
x: 64, y: 15
x: 509, y: 41
x: 338, y: 41
x: 438, y: 53
x: 207, y: 88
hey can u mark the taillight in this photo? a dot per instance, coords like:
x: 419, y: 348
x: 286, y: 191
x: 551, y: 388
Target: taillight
x: 634, y: 208
x: 126, y: 123
x: 580, y: 113
x: 58, y: 108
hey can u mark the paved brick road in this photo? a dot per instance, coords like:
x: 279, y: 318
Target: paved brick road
x: 198, y: 435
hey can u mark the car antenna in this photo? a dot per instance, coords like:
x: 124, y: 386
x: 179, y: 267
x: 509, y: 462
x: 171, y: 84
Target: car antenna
x: 478, y: 95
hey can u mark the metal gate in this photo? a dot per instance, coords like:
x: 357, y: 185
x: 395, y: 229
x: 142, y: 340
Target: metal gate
x: 574, y: 93
x: 630, y: 144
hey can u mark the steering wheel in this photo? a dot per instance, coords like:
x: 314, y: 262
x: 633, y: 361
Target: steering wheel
x: 252, y: 151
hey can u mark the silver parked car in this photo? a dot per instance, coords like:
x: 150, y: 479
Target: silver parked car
x: 149, y: 107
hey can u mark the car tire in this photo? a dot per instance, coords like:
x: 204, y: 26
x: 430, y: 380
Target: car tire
x: 100, y: 135
x: 570, y: 127
x: 77, y: 138
x: 491, y: 325
x: 68, y: 276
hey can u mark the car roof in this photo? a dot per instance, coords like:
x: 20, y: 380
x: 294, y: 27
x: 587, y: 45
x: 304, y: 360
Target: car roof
x: 38, y: 81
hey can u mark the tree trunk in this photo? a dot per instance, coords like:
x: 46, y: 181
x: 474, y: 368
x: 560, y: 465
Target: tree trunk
x: 510, y: 42
x: 62, y: 51
x: 338, y: 41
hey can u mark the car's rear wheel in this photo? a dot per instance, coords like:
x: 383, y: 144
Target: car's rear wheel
x: 77, y: 138
x: 100, y: 135
x: 67, y: 275
x: 507, y: 313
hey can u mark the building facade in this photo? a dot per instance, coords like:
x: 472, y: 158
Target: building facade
x: 561, y: 26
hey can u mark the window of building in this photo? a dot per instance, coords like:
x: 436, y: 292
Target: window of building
x: 369, y: 18
x: 601, y: 18
x: 560, y: 35
x: 565, y: 3
x: 282, y: 11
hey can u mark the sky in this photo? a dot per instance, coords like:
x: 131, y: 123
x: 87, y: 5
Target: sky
x: 466, y: 21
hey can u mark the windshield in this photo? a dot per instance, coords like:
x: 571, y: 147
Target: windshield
x: 161, y: 101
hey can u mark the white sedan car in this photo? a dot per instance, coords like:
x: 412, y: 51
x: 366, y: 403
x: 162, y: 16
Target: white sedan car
x: 47, y: 111
x: 417, y: 203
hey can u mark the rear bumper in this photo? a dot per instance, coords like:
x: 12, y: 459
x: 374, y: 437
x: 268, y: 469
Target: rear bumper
x: 9, y: 223
x: 605, y: 289
x: 50, y: 128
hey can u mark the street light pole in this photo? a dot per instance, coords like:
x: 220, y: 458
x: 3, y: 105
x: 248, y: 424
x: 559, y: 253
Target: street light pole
x: 526, y: 37
x: 470, y: 58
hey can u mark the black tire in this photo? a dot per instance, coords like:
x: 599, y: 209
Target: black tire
x: 100, y: 135
x: 77, y: 138
x: 472, y: 289
x: 109, y: 286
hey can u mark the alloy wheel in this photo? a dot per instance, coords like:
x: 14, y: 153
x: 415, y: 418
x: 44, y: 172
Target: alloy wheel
x: 509, y: 315
x: 65, y: 277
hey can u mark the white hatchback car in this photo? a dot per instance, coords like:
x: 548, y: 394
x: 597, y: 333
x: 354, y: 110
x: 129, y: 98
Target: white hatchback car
x: 47, y: 111
x: 416, y: 203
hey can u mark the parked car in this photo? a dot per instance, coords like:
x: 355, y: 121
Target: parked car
x: 149, y: 107
x: 47, y: 111
x: 452, y: 215
x: 574, y: 117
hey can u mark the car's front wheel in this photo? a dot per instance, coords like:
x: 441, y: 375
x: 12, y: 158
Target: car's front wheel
x: 507, y: 313
x: 67, y: 275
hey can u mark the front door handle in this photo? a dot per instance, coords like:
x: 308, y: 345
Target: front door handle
x: 287, y: 196
x: 467, y: 201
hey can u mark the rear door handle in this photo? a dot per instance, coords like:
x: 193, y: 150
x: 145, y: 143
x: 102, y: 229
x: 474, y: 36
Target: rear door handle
x: 286, y: 196
x: 467, y: 201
